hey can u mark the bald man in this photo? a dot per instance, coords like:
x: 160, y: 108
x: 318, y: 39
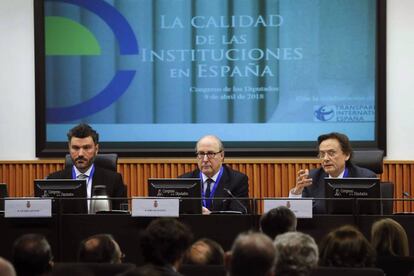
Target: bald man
x: 100, y: 248
x: 6, y: 268
x: 251, y: 254
x: 218, y: 180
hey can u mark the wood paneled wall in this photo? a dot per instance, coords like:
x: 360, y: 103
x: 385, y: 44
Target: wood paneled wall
x: 267, y: 177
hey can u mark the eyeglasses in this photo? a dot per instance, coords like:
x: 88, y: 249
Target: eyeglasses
x: 329, y: 153
x: 200, y: 155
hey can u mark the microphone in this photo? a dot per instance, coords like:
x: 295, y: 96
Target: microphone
x: 238, y: 201
x: 408, y: 196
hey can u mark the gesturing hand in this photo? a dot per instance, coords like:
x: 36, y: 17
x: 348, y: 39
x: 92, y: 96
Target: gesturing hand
x: 302, y: 181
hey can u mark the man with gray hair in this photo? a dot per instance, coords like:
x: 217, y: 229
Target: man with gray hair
x: 252, y: 254
x: 296, y: 254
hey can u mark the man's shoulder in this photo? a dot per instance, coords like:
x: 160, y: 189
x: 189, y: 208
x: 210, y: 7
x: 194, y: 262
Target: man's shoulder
x: 317, y: 172
x: 193, y: 174
x: 233, y: 173
x: 62, y: 174
x: 106, y: 172
x: 361, y: 172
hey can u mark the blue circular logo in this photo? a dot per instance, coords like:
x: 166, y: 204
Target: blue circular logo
x: 324, y: 113
x: 122, y: 79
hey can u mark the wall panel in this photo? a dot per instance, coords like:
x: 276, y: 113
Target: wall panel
x: 267, y: 177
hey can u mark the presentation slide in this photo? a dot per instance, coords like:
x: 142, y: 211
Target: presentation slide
x: 254, y: 72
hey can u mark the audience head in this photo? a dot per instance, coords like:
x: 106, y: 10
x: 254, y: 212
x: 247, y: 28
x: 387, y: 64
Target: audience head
x: 210, y: 154
x: 296, y: 254
x: 251, y: 254
x: 101, y: 248
x: 205, y: 252
x: 389, y: 238
x: 335, y: 151
x: 32, y: 255
x: 83, y: 146
x: 6, y: 268
x: 277, y: 221
x: 165, y: 242
x: 346, y: 247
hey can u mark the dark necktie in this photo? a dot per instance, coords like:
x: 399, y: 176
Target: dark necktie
x: 208, y: 191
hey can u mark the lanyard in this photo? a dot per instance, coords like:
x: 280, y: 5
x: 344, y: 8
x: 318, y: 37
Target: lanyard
x: 206, y: 203
x: 346, y: 172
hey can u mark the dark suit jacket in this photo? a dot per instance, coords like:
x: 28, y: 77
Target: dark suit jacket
x: 112, y: 180
x: 236, y: 182
x: 317, y: 189
x: 150, y: 269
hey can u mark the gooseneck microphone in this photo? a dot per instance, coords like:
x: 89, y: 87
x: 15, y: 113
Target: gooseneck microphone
x: 237, y: 200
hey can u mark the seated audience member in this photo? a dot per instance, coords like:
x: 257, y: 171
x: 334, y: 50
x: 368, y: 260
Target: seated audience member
x: 277, y: 221
x: 101, y: 248
x: 83, y: 142
x: 59, y: 270
x: 145, y: 270
x: 164, y: 244
x: 334, y: 152
x: 251, y: 254
x: 346, y: 247
x: 32, y: 255
x: 6, y: 268
x: 296, y: 254
x: 205, y: 252
x: 218, y: 179
x: 389, y: 238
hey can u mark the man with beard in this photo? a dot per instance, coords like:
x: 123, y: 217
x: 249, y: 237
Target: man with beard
x: 335, y: 153
x: 83, y: 144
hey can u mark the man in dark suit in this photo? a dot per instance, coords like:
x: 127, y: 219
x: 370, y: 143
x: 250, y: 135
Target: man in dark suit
x: 83, y: 147
x: 335, y: 153
x: 164, y: 244
x: 252, y: 253
x: 219, y: 180
x: 32, y: 255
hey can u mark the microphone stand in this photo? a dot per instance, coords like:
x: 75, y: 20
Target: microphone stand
x: 237, y: 200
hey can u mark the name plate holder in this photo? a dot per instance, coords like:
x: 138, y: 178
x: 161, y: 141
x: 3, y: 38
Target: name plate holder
x: 155, y: 207
x: 302, y: 208
x: 27, y: 207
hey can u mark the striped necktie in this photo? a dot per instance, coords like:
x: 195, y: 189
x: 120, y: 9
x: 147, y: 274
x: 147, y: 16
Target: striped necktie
x: 82, y: 176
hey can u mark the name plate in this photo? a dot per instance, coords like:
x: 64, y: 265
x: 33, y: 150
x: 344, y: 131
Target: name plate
x: 155, y: 207
x: 302, y: 208
x: 28, y: 208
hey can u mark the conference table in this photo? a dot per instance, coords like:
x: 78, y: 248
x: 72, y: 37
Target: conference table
x: 65, y: 231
